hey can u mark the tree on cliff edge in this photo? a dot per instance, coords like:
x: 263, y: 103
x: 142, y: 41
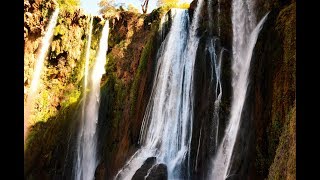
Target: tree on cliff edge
x: 144, y: 6
x: 106, y: 6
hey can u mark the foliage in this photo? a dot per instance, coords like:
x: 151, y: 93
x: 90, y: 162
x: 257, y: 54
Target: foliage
x: 47, y: 143
x: 132, y: 8
x: 60, y: 30
x: 275, y: 147
x: 68, y: 5
x: 162, y: 2
x: 284, y: 166
x: 283, y: 121
x: 168, y: 4
x: 69, y: 2
x: 63, y: 70
x: 146, y: 53
x: 110, y: 8
x: 107, y: 6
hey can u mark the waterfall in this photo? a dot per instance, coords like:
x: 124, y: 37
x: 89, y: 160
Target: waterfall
x: 87, y: 161
x: 86, y: 66
x: 245, y: 34
x: 219, y: 14
x: 215, y: 75
x: 210, y: 13
x: 167, y: 124
x: 160, y: 134
x: 83, y: 105
x: 189, y: 57
x: 163, y: 21
x: 216, y: 72
x: 45, y: 44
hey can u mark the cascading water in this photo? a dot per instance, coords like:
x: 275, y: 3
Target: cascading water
x: 219, y: 14
x: 216, y: 72
x: 161, y: 127
x: 45, y: 44
x: 245, y: 34
x: 86, y: 66
x: 167, y: 125
x: 87, y: 161
x: 83, y: 105
x: 210, y: 13
x: 215, y: 77
x: 163, y: 20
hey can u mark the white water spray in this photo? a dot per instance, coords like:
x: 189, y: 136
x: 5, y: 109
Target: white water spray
x: 166, y: 130
x: 45, y: 44
x: 216, y: 72
x: 87, y: 161
x: 86, y: 66
x: 43, y: 52
x: 215, y: 75
x: 245, y: 35
x: 163, y: 21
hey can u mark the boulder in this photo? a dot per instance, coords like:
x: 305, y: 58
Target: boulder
x: 158, y: 172
x: 233, y: 177
x: 143, y: 170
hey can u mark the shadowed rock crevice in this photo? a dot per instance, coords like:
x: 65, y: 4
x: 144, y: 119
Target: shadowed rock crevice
x: 150, y: 170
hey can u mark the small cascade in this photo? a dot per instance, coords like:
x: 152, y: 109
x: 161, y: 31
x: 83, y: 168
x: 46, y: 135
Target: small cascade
x: 210, y: 13
x: 86, y: 159
x: 45, y: 44
x: 219, y: 14
x: 163, y: 21
x: 215, y: 75
x: 245, y: 34
x: 85, y: 87
x: 86, y: 66
x: 166, y: 131
x: 212, y: 48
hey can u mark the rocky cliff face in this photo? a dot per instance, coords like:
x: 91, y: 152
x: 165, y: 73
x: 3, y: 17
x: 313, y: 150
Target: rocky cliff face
x: 62, y: 67
x: 133, y: 43
x: 266, y: 151
x: 203, y: 147
x: 59, y: 87
x: 274, y: 89
x: 270, y: 105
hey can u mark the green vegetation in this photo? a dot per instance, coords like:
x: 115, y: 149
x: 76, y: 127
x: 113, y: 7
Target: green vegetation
x: 63, y: 69
x: 132, y: 45
x: 145, y: 55
x: 68, y: 2
x: 60, y: 30
x: 68, y: 5
x: 41, y: 111
x: 284, y: 164
x: 171, y: 5
x: 275, y: 150
x: 46, y: 144
x: 107, y: 6
x: 58, y: 98
x: 283, y: 114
